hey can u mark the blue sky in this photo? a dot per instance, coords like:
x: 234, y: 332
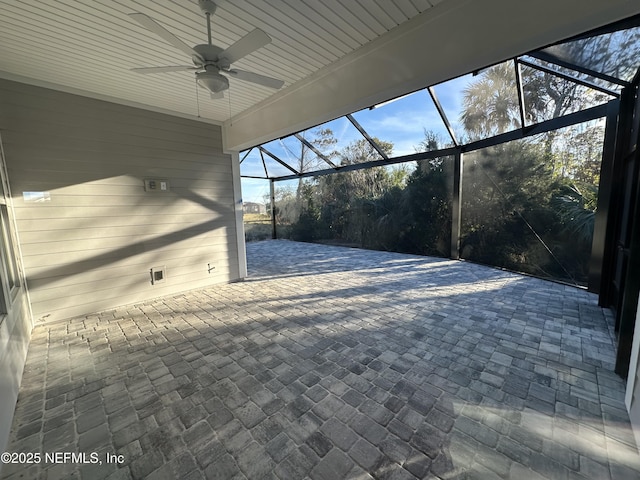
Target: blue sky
x: 401, y: 122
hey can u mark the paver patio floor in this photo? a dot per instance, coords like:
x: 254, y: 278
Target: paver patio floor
x: 332, y: 363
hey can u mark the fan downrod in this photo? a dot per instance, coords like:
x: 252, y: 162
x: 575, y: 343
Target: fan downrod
x: 208, y: 7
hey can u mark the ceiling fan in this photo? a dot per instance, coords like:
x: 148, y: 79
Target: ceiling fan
x: 211, y: 62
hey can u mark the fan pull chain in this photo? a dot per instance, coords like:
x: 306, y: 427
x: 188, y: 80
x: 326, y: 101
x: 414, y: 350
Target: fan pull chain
x: 197, y: 98
x: 229, y: 92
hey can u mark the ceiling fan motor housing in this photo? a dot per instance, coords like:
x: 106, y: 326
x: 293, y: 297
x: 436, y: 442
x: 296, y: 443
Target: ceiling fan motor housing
x: 207, y: 55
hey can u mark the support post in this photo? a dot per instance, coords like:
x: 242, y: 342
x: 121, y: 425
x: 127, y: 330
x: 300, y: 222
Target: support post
x: 239, y: 216
x: 456, y: 205
x: 629, y: 241
x: 272, y: 194
x: 629, y: 308
x: 602, y: 259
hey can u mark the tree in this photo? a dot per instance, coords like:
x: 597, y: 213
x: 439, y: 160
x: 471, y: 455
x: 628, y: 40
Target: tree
x: 307, y: 160
x: 490, y: 103
x: 577, y: 210
x: 428, y: 200
x: 577, y: 153
x: 527, y: 204
x: 368, y: 182
x: 431, y: 141
x: 339, y: 206
x: 343, y: 196
x: 505, y: 207
x: 307, y: 227
x: 614, y: 53
x: 286, y: 208
x: 425, y: 221
x: 323, y: 141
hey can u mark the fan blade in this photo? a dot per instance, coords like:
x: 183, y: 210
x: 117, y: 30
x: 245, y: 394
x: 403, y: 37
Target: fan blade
x: 256, y: 78
x: 249, y: 43
x: 172, y: 68
x: 217, y: 96
x: 151, y: 25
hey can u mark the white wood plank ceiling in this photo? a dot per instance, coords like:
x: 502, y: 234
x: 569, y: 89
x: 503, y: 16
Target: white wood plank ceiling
x: 89, y: 47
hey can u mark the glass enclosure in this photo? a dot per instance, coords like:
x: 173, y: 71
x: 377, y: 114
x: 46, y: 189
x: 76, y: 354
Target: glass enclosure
x: 529, y: 205
x: 530, y: 131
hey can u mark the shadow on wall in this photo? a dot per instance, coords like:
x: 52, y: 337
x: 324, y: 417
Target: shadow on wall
x: 150, y: 244
x: 88, y: 159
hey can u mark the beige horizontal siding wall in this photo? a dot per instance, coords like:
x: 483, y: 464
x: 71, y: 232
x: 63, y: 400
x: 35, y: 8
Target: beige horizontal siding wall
x: 91, y: 245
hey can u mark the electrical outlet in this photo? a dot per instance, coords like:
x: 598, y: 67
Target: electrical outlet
x: 158, y: 275
x: 157, y: 185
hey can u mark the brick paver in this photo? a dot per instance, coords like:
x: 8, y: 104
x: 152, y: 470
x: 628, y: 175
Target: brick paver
x: 333, y: 363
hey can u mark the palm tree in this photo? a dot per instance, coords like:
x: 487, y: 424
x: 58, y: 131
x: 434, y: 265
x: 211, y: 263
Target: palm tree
x: 577, y: 210
x: 490, y: 103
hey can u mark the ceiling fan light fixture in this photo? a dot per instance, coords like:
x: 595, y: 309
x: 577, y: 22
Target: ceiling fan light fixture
x: 212, y: 81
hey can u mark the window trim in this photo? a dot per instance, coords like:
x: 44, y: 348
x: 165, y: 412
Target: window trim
x: 11, y: 280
